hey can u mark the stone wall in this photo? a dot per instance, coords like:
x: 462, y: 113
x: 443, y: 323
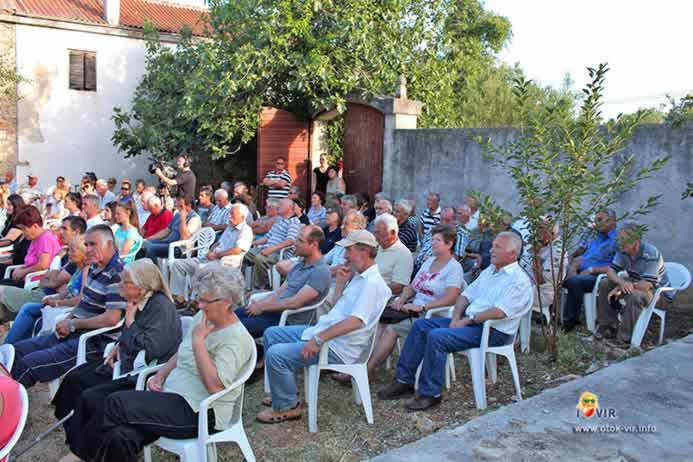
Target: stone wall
x: 450, y: 161
x: 8, y: 101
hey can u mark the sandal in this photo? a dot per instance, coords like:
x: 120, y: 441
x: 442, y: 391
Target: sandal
x: 270, y: 416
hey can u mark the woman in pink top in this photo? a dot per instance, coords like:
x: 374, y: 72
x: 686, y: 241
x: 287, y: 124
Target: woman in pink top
x: 10, y: 407
x: 44, y: 246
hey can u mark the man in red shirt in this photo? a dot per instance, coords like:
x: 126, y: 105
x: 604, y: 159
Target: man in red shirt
x: 158, y: 219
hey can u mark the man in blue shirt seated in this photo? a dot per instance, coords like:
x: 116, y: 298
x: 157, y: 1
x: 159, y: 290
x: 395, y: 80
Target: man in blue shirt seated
x: 584, y: 270
x: 645, y: 267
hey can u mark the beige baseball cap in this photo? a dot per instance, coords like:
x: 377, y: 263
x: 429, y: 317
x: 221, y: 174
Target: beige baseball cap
x: 359, y: 236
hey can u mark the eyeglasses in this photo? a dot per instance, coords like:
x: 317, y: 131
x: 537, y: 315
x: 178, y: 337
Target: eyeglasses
x: 209, y: 302
x: 124, y: 188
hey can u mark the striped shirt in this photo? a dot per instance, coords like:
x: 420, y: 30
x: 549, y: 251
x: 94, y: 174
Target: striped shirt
x: 102, y: 290
x: 407, y: 234
x: 219, y: 215
x: 284, y: 229
x: 462, y: 240
x: 430, y: 219
x: 278, y: 193
x: 647, y: 265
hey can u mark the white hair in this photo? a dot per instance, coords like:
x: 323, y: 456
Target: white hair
x: 221, y: 193
x: 514, y: 239
x: 243, y: 208
x: 101, y: 182
x: 389, y: 221
x: 385, y: 203
x: 155, y: 201
x: 146, y: 195
x: 405, y: 204
x: 274, y: 203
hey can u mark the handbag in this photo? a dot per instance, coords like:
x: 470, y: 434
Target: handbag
x: 391, y: 316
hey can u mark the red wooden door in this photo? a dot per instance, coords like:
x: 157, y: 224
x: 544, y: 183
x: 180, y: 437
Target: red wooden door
x: 364, y: 128
x: 281, y: 134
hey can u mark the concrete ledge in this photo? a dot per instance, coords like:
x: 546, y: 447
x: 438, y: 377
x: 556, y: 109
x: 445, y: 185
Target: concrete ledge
x: 655, y: 389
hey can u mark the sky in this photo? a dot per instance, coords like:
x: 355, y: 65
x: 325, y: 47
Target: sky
x: 647, y: 44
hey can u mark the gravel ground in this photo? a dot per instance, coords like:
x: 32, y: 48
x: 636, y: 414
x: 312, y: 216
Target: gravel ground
x: 344, y: 434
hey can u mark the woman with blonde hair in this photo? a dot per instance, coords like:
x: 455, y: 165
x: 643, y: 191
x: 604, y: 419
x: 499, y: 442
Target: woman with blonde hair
x: 151, y: 324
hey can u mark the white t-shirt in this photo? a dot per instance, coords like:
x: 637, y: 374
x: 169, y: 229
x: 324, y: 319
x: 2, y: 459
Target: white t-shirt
x: 96, y: 220
x: 363, y: 298
x: 432, y: 286
x: 473, y: 221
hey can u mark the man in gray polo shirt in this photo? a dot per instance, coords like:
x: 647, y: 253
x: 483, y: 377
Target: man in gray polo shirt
x: 645, y: 267
x: 306, y: 283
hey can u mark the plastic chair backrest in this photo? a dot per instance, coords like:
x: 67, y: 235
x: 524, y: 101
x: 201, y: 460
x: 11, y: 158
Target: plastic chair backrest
x: 679, y: 276
x: 7, y: 356
x: 134, y: 250
x: 55, y: 263
x: 24, y: 398
x: 205, y: 240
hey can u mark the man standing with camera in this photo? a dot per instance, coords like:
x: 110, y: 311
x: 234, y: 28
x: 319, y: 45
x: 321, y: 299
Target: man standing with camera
x: 185, y: 179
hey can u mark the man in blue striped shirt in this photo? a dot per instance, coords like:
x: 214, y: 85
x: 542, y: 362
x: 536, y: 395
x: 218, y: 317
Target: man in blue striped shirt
x: 265, y: 251
x: 44, y: 358
x: 278, y: 181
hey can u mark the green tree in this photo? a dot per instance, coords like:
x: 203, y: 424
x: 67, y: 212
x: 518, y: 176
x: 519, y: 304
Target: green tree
x: 566, y: 168
x: 302, y: 56
x: 9, y: 79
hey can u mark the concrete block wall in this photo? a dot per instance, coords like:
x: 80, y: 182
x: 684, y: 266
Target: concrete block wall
x: 8, y: 101
x: 450, y: 161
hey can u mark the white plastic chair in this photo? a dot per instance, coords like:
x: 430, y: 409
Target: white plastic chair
x: 54, y: 384
x: 284, y: 318
x: 485, y: 356
x: 205, y: 239
x: 31, y: 280
x: 24, y: 397
x: 358, y: 372
x: 140, y: 362
x: 679, y: 279
x: 185, y: 245
x: 272, y: 274
x: 203, y: 448
x: 7, y: 357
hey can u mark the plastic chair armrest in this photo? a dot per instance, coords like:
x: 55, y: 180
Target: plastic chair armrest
x: 9, y: 269
x: 441, y: 309
x: 144, y: 374
x: 82, y: 347
x: 172, y: 246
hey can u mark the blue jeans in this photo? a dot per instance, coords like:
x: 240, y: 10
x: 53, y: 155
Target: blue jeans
x: 44, y: 358
x: 23, y: 325
x: 577, y: 287
x: 155, y: 249
x: 430, y: 341
x: 257, y: 325
x: 283, y: 348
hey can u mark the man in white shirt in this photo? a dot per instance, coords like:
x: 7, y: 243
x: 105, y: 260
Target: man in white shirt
x: 502, y: 291
x: 359, y: 304
x: 90, y: 209
x: 105, y: 196
x: 229, y: 250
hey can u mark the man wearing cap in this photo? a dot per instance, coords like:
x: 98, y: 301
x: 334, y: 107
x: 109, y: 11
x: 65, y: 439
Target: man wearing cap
x: 9, y: 179
x: 360, y: 295
x: 30, y: 191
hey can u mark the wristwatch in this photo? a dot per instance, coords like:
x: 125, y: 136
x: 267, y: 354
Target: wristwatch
x: 423, y: 308
x: 471, y: 317
x: 318, y: 340
x: 72, y: 326
x: 590, y: 269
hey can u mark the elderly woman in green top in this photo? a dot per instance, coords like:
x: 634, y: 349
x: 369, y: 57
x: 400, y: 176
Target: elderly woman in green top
x: 214, y: 354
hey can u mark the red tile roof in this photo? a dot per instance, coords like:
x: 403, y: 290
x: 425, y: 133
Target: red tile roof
x: 166, y: 17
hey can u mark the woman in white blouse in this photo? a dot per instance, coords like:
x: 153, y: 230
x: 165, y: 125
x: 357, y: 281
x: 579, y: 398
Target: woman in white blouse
x: 438, y: 283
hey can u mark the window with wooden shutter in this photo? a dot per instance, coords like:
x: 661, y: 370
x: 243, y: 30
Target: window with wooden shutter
x: 82, y: 70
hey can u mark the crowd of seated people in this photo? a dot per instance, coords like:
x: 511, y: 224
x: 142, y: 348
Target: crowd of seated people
x: 349, y: 256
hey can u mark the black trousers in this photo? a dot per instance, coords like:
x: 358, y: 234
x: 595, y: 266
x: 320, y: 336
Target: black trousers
x: 84, y: 390
x: 134, y: 419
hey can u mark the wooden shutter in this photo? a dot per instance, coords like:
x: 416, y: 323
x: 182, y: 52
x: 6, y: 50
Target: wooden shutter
x: 90, y: 71
x: 76, y: 70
